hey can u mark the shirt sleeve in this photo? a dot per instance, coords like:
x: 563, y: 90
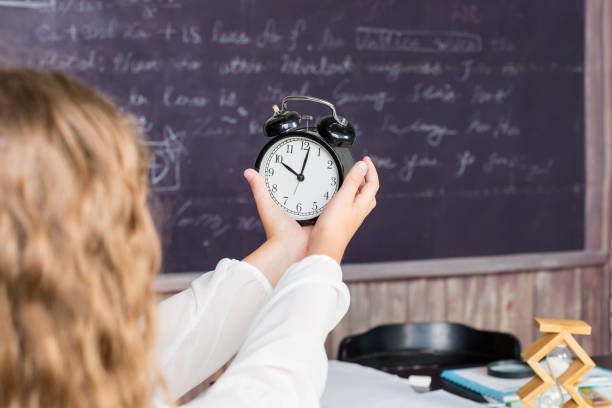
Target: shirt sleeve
x: 201, y: 328
x: 283, y: 362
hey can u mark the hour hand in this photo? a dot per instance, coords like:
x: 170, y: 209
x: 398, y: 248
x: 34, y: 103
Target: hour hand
x: 290, y: 169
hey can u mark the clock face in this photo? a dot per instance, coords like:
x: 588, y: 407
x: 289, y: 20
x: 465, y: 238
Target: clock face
x: 301, y: 174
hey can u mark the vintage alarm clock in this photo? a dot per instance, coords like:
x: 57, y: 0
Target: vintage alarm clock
x: 303, y: 167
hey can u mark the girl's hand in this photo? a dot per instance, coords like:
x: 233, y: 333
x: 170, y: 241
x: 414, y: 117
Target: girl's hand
x: 346, y: 211
x: 286, y: 242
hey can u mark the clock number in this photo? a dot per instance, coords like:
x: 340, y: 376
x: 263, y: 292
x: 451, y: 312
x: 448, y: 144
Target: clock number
x: 315, y: 206
x: 270, y: 171
x: 290, y: 148
x: 329, y: 164
x: 274, y: 188
x: 279, y: 158
x: 298, y: 207
x: 334, y: 181
x: 285, y: 198
x: 319, y: 152
x: 305, y: 145
x: 326, y: 195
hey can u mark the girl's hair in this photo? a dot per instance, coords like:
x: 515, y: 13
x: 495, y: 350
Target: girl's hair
x: 78, y: 249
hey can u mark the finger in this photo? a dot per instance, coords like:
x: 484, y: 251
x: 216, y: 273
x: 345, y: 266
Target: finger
x: 353, y: 180
x: 257, y: 185
x: 369, y: 190
x: 372, y: 168
x: 264, y: 202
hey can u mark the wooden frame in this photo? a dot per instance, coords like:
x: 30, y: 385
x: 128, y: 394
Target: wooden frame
x: 556, y: 332
x: 597, y: 195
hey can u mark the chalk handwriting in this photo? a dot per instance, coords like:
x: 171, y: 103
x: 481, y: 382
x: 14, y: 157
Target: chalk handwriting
x: 434, y: 133
x: 33, y: 4
x: 383, y: 162
x: 496, y: 161
x: 241, y: 66
x: 187, y: 34
x: 127, y: 63
x: 221, y: 36
x: 251, y: 223
x: 135, y: 31
x: 81, y: 6
x: 227, y: 98
x: 481, y: 95
x: 506, y: 128
x: 174, y: 100
x: 464, y: 160
x: 296, y: 32
x: 296, y: 65
x: 413, y: 162
x: 394, y: 70
x: 276, y: 92
x: 503, y: 127
x: 428, y: 92
x: 186, y: 64
x: 165, y: 162
x: 330, y: 41
x: 470, y: 67
x: 136, y: 98
x: 269, y: 36
x: 386, y: 39
x: 75, y: 61
x: 378, y: 99
x: 208, y: 221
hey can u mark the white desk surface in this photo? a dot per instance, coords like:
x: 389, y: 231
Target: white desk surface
x: 356, y: 386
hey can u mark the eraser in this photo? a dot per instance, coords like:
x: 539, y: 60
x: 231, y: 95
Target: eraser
x: 419, y: 381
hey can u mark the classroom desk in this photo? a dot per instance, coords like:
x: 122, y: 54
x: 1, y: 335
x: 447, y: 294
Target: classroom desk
x: 437, y: 383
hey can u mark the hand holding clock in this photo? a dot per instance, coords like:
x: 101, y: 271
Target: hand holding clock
x: 287, y: 241
x: 346, y: 211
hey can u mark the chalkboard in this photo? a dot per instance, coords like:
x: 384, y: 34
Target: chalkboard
x: 473, y: 110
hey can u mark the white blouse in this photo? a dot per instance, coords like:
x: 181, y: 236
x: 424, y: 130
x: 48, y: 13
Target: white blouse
x: 278, y: 334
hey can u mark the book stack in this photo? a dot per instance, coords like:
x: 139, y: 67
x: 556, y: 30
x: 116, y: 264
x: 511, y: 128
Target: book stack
x: 596, y: 385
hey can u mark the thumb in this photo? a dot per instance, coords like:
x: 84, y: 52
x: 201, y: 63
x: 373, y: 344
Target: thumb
x: 353, y: 180
x: 265, y: 206
x: 258, y: 186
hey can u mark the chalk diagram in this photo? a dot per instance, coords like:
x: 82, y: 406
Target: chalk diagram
x: 31, y: 4
x: 165, y: 161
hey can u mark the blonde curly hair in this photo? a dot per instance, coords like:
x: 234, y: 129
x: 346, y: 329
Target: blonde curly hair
x: 78, y: 249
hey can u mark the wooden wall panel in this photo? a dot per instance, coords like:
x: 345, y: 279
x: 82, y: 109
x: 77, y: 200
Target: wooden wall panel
x: 504, y: 302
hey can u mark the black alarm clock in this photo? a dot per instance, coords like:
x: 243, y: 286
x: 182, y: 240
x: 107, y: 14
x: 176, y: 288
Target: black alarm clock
x: 303, y: 168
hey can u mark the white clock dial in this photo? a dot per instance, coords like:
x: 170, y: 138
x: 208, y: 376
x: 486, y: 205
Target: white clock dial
x: 301, y: 175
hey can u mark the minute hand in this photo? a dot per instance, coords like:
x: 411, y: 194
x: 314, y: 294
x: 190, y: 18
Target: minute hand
x: 304, y: 164
x: 290, y: 169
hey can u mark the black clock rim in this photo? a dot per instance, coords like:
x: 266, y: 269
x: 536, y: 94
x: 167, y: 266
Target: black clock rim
x: 309, y: 135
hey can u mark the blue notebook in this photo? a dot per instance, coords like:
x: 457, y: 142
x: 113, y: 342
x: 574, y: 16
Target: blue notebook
x: 476, y: 379
x: 504, y: 389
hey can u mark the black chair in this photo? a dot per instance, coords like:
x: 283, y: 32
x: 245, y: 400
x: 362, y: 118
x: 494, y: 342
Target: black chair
x: 423, y: 348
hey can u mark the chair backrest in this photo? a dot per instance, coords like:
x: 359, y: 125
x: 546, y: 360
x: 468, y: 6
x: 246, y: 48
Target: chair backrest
x: 427, y: 344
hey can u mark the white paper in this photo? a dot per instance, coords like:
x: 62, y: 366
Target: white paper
x: 355, y: 386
